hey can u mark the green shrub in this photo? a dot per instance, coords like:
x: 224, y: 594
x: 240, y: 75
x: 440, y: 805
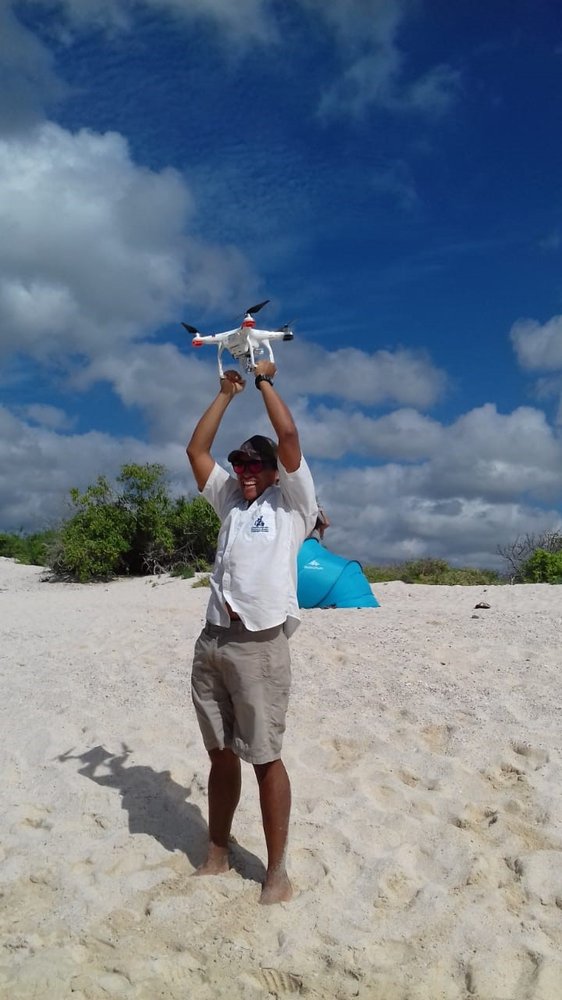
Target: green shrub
x: 543, y: 567
x: 135, y: 528
x: 184, y: 572
x: 196, y: 528
x: 382, y: 574
x: 431, y: 571
x: 93, y: 543
x: 32, y: 549
x: 518, y: 553
x: 145, y: 500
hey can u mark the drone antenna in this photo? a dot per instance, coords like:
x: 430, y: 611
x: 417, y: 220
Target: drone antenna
x: 254, y: 309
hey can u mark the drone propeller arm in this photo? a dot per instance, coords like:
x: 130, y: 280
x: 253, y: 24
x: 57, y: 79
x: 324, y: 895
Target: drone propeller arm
x: 264, y: 335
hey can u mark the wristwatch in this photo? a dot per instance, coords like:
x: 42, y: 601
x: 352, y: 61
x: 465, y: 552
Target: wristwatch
x: 262, y: 378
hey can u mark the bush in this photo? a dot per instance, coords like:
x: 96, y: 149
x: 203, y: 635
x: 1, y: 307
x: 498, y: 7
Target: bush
x: 518, y: 553
x: 93, y: 543
x: 431, y: 571
x: 543, y: 567
x: 137, y: 529
x: 196, y: 528
x: 33, y: 550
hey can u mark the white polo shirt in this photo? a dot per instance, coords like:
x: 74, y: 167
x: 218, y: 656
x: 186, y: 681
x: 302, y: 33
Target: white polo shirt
x: 255, y: 568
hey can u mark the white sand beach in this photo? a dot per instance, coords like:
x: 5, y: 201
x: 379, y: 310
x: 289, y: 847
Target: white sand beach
x: 424, y: 749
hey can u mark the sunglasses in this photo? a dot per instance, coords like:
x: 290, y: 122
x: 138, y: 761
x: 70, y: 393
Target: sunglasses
x: 253, y: 467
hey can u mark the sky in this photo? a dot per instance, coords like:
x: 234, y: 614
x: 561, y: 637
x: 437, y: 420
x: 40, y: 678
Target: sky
x: 387, y: 172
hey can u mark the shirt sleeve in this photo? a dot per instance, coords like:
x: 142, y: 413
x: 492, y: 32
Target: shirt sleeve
x: 221, y: 491
x: 298, y: 492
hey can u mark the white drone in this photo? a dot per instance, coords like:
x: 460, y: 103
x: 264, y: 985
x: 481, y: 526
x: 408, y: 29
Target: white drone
x: 245, y: 343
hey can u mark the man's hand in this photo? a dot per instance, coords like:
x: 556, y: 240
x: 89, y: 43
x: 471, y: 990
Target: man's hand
x: 231, y: 383
x: 265, y: 368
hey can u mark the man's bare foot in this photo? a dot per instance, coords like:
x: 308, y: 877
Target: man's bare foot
x: 216, y: 862
x: 276, y: 888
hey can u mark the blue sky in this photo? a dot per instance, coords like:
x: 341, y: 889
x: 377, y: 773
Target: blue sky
x: 387, y: 172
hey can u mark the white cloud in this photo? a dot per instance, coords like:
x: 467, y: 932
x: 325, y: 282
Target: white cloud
x: 40, y: 466
x: 538, y: 347
x: 28, y: 79
x: 402, y: 376
x: 332, y: 433
x: 51, y: 417
x: 376, y: 72
x: 373, y: 68
x: 94, y: 249
x: 241, y: 21
x: 497, y: 456
x: 382, y: 515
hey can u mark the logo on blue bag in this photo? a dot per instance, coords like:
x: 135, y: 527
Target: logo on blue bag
x: 259, y: 524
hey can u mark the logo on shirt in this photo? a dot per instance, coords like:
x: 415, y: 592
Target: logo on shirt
x: 313, y: 564
x: 259, y: 525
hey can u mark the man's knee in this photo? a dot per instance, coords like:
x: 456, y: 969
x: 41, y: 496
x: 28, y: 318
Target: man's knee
x: 261, y: 770
x: 224, y: 758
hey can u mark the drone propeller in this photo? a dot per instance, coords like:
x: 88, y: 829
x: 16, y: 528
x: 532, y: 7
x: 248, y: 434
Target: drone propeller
x: 254, y: 309
x: 190, y: 329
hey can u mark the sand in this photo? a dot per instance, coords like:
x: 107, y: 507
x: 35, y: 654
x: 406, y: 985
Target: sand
x: 424, y: 749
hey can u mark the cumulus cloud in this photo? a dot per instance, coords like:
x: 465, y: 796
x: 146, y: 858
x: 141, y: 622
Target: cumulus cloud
x: 480, y: 482
x: 48, y: 416
x: 40, y: 466
x: 496, y: 456
x: 402, y: 376
x: 94, y: 249
x: 380, y: 514
x: 538, y: 347
x: 28, y: 78
x: 332, y: 433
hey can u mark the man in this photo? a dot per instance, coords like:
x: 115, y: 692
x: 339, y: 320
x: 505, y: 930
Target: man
x: 241, y: 665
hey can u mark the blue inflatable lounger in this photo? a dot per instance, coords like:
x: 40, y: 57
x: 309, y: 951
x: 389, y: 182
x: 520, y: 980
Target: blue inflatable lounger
x: 329, y: 581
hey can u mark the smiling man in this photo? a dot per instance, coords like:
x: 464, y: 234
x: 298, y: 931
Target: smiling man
x: 241, y: 666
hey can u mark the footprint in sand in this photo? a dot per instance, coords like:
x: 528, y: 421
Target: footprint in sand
x: 275, y: 981
x: 514, y: 976
x: 414, y: 781
x: 505, y: 776
x: 438, y: 737
x: 533, y: 756
x: 348, y: 752
x: 36, y: 818
x: 476, y: 818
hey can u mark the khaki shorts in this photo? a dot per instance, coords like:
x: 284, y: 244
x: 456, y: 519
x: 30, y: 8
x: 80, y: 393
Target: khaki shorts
x: 240, y: 685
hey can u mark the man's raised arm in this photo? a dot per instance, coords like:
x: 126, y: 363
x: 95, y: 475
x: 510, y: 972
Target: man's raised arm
x: 281, y: 419
x: 199, y: 448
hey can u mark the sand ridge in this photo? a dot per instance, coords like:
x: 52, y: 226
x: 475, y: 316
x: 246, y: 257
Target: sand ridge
x: 423, y: 745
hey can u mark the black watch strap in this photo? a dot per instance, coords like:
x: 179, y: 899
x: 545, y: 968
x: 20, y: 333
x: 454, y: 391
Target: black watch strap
x: 262, y: 378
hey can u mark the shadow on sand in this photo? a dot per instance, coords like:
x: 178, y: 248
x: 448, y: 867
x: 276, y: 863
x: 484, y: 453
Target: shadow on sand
x: 157, y: 805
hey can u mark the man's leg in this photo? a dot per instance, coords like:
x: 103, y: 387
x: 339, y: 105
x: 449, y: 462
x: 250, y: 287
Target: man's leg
x: 224, y: 795
x: 275, y: 802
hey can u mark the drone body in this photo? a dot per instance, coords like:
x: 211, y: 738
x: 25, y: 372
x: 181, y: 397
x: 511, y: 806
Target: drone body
x: 245, y: 343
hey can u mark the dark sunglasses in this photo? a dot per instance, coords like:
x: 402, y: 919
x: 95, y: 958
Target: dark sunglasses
x: 253, y: 467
